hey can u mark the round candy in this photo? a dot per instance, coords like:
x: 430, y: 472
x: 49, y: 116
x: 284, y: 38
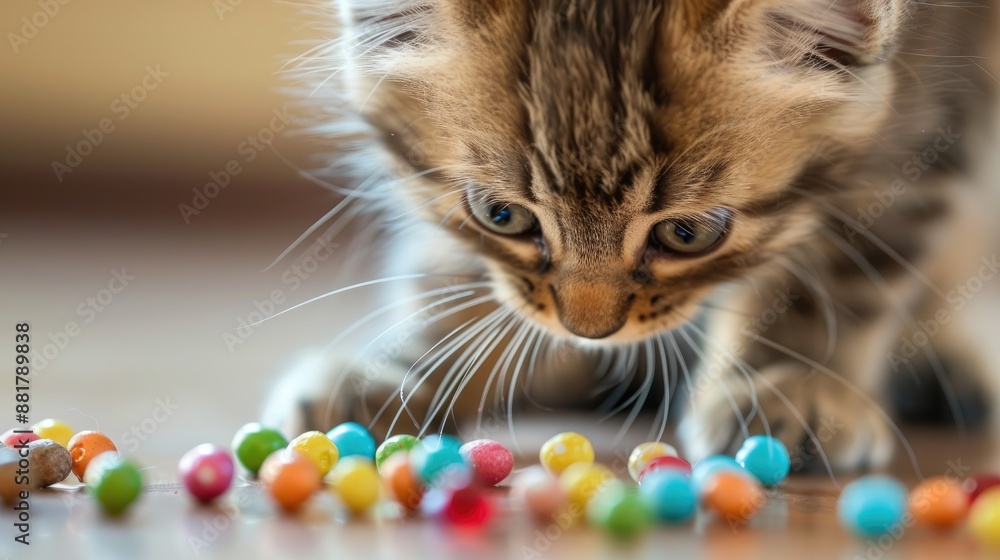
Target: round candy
x: 646, y: 452
x: 253, y: 443
x: 664, y: 463
x: 402, y: 483
x: 491, y: 461
x: 464, y: 505
x: 711, y: 465
x: 619, y: 511
x: 352, y: 439
x: 290, y: 477
x: 872, y: 506
x: 766, y: 458
x: 565, y: 449
x: 355, y: 479
x: 206, y: 471
x: 114, y: 482
x: 939, y: 501
x: 583, y: 481
x: 734, y: 496
x: 393, y: 445
x: 977, y: 484
x: 984, y: 520
x: 318, y: 448
x: 13, y: 439
x: 438, y: 459
x: 669, y: 495
x: 49, y: 463
x: 86, y: 445
x: 540, y: 492
x: 55, y: 430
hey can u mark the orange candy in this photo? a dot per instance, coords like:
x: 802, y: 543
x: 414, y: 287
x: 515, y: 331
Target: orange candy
x: 84, y: 446
x: 939, y: 502
x: 402, y: 483
x: 291, y: 478
x: 735, y: 497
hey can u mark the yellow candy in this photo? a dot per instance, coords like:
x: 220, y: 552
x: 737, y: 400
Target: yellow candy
x: 985, y: 517
x: 583, y: 481
x: 646, y: 452
x: 356, y: 481
x: 55, y: 430
x: 318, y: 448
x: 565, y: 449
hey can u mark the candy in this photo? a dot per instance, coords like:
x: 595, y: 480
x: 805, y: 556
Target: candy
x: 665, y: 463
x: 646, y: 452
x: 392, y: 446
x: 9, y: 464
x: 977, y: 484
x: 318, y: 448
x: 583, y: 481
x: 766, y: 458
x: 352, y: 439
x: 437, y: 459
x: 253, y: 443
x: 939, y: 502
x: 465, y: 505
x: 565, y: 449
x: 872, y: 506
x: 711, y: 465
x: 206, y: 471
x: 50, y: 463
x: 290, y: 477
x: 619, y: 511
x: 12, y: 438
x: 55, y: 430
x: 984, y: 520
x: 86, y: 445
x: 401, y: 482
x: 114, y: 481
x: 491, y: 461
x: 356, y: 482
x: 540, y: 492
x: 734, y: 496
x: 669, y: 495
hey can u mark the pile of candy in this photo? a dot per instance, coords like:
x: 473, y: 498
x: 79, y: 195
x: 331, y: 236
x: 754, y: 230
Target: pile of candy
x: 440, y: 477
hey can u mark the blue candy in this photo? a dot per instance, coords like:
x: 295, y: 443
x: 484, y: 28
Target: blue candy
x: 766, y: 458
x: 352, y: 438
x: 872, y: 506
x: 669, y: 495
x: 704, y: 468
x: 438, y: 459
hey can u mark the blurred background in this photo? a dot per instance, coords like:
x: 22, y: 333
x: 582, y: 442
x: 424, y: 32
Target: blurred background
x: 113, y: 115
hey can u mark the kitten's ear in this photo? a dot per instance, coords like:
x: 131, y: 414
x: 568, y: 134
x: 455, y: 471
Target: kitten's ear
x: 835, y: 33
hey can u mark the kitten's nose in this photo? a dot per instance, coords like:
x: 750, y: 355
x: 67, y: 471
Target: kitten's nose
x: 591, y: 309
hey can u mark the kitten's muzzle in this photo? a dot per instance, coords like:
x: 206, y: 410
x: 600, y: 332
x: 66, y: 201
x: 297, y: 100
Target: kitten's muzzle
x: 592, y: 309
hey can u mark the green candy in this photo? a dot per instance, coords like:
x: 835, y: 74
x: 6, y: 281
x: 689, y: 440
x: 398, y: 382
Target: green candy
x: 619, y: 511
x: 401, y: 442
x: 253, y: 443
x: 115, y: 482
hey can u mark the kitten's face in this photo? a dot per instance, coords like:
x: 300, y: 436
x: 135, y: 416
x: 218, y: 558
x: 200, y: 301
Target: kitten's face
x: 612, y: 162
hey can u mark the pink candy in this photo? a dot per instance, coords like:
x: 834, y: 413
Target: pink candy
x: 11, y: 439
x: 491, y: 461
x: 540, y: 492
x: 207, y: 472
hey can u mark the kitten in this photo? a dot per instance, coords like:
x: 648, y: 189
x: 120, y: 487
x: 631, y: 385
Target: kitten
x: 791, y: 188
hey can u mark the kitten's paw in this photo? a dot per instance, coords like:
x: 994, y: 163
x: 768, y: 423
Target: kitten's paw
x: 816, y: 417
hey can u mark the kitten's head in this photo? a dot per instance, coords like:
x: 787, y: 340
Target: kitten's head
x: 613, y: 161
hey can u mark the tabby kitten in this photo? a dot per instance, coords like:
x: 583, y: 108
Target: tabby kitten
x: 573, y: 191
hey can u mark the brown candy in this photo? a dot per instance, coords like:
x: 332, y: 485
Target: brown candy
x: 50, y: 463
x: 8, y: 471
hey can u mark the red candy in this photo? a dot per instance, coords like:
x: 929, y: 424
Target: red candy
x: 666, y: 462
x: 491, y: 461
x: 206, y: 471
x: 977, y: 484
x: 11, y: 439
x: 458, y: 506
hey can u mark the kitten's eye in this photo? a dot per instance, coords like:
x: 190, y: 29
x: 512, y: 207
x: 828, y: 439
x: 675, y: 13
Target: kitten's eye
x: 828, y: 57
x: 692, y: 236
x: 505, y: 219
